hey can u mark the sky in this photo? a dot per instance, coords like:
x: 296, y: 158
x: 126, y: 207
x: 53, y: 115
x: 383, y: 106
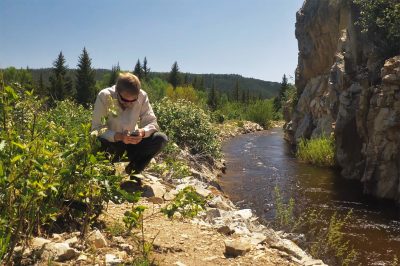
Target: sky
x: 252, y: 38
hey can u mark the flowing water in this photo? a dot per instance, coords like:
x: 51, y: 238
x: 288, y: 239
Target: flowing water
x: 258, y: 162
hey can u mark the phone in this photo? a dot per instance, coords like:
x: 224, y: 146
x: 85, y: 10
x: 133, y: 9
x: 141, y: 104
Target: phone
x: 135, y: 133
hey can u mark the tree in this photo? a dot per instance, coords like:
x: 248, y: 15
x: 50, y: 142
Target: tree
x: 113, y: 75
x: 85, y: 80
x: 60, y: 83
x: 278, y: 99
x: 236, y: 92
x: 146, y: 70
x: 212, y: 97
x: 138, y: 71
x: 174, y: 75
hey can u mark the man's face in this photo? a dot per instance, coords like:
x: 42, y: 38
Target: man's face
x: 126, y: 99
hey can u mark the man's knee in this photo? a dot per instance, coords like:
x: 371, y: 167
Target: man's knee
x: 161, y: 139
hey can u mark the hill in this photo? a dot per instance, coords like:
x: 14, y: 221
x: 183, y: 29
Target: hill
x: 225, y: 83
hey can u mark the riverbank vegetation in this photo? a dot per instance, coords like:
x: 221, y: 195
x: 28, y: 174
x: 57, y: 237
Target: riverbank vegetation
x: 323, y: 239
x: 319, y: 151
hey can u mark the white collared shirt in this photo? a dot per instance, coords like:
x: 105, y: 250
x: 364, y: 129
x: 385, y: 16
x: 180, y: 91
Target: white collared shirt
x: 109, y: 118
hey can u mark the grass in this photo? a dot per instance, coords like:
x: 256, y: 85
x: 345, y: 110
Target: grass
x: 319, y: 151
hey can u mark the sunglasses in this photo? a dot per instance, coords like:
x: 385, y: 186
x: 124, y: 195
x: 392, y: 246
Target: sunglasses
x: 126, y: 100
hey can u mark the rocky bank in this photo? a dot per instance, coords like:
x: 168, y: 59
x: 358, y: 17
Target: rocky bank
x: 221, y: 234
x: 347, y: 89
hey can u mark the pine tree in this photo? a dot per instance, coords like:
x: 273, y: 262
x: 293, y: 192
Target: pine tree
x: 243, y: 96
x: 41, y: 88
x: 174, y: 75
x: 195, y: 83
x: 236, y: 95
x: 278, y: 99
x: 212, y: 97
x: 146, y: 70
x: 201, y: 84
x: 114, y: 75
x: 138, y: 71
x: 85, y: 80
x: 60, y: 84
x: 186, y: 79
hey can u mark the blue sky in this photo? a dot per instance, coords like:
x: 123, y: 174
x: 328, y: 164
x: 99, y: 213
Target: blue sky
x: 253, y: 38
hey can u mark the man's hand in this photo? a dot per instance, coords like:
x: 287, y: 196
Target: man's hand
x: 127, y: 139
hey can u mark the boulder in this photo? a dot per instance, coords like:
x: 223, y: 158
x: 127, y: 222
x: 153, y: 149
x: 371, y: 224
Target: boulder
x: 236, y: 247
x: 97, y: 239
x: 59, y: 252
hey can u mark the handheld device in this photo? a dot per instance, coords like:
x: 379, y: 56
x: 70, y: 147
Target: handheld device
x: 135, y: 133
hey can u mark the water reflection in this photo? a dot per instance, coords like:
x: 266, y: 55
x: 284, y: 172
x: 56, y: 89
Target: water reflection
x: 258, y: 162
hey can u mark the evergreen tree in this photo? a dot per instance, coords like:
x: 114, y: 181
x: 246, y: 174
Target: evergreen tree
x: 41, y: 88
x: 201, y: 84
x: 278, y: 99
x: 138, y: 71
x: 186, y: 79
x: 174, y: 75
x: 146, y: 70
x: 243, y: 97
x: 60, y: 83
x: 85, y: 80
x: 195, y: 83
x: 248, y: 96
x: 212, y: 97
x: 236, y: 94
x: 114, y: 75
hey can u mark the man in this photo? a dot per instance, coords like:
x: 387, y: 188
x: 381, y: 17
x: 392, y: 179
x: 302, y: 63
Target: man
x: 124, y: 121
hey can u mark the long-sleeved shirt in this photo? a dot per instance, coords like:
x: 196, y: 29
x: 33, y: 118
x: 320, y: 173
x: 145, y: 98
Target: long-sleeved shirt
x: 109, y: 118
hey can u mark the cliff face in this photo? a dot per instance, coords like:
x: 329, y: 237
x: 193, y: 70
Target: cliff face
x: 346, y: 89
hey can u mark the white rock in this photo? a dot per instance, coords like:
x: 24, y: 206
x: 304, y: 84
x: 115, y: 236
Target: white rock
x: 111, y: 259
x: 82, y: 257
x: 72, y: 241
x: 244, y: 213
x: 178, y: 263
x: 59, y: 251
x: 39, y: 242
x: 97, y: 239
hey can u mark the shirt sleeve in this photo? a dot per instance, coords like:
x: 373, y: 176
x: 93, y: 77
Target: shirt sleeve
x: 148, y: 120
x: 100, y: 112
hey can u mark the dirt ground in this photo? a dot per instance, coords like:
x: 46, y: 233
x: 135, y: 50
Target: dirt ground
x: 182, y: 242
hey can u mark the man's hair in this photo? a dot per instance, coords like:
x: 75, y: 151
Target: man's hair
x: 128, y: 82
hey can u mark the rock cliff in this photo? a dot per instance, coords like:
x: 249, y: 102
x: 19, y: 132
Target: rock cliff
x: 347, y: 89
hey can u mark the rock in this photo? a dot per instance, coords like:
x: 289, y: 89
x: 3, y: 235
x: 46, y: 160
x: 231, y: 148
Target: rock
x: 111, y: 259
x: 82, y: 257
x: 257, y: 238
x: 97, y: 239
x: 220, y: 203
x: 245, y: 214
x: 236, y: 247
x: 126, y: 247
x: 155, y: 189
x: 72, y: 241
x: 178, y: 263
x: 225, y: 230
x: 170, y: 195
x: 155, y: 200
x: 39, y: 242
x: 59, y: 251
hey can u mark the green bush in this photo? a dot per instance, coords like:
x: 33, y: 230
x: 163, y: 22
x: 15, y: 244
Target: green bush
x: 319, y: 151
x: 380, y: 20
x: 50, y: 169
x: 188, y: 126
x: 261, y: 112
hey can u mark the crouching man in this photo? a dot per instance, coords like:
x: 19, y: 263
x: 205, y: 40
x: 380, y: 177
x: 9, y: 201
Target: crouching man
x: 125, y: 121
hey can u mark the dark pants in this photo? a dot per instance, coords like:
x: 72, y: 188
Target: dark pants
x: 139, y: 154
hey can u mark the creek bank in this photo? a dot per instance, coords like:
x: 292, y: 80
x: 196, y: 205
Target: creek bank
x: 222, y: 234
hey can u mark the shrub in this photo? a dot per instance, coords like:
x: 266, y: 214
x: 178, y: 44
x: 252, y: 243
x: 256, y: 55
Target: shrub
x: 156, y: 89
x: 50, y: 168
x: 261, y: 112
x: 188, y: 203
x: 380, y: 20
x: 188, y: 126
x: 319, y: 151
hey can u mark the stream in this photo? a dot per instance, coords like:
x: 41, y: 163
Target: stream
x: 258, y: 162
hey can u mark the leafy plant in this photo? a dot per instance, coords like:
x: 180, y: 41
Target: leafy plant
x: 188, y: 203
x: 319, y: 151
x: 189, y: 126
x: 284, y: 213
x: 380, y: 20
